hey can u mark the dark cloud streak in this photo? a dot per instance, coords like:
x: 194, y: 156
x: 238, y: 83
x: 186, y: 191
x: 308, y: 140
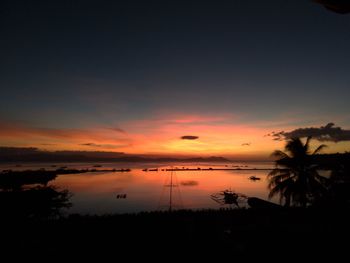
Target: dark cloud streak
x: 118, y: 130
x: 189, y: 137
x: 91, y: 144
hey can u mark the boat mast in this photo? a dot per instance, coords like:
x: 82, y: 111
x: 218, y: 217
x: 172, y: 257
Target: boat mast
x: 171, y: 191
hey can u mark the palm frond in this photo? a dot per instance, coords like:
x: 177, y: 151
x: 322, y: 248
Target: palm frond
x: 280, y: 155
x: 276, y: 172
x: 323, y: 180
x: 307, y: 144
x: 295, y: 147
x: 319, y: 148
x: 281, y: 187
x: 281, y: 177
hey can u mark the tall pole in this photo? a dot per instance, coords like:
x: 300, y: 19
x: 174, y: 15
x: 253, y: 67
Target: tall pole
x: 171, y: 191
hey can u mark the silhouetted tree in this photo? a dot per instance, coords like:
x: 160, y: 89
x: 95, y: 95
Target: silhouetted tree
x: 35, y: 202
x: 340, y: 185
x: 296, y: 178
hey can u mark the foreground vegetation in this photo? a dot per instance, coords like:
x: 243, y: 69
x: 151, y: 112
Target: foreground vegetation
x: 298, y: 181
x: 229, y: 233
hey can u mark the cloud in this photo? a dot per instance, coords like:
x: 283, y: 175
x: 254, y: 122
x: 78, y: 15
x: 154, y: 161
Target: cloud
x: 323, y: 134
x: 189, y: 137
x: 246, y: 144
x: 118, y: 130
x: 64, y: 138
x: 91, y: 144
x: 338, y: 6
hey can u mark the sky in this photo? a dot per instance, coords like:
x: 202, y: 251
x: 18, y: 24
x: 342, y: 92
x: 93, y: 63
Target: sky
x: 172, y: 77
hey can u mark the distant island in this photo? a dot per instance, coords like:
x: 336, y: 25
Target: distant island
x: 31, y: 154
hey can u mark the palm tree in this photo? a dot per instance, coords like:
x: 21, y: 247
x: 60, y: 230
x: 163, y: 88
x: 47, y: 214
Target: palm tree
x: 296, y: 178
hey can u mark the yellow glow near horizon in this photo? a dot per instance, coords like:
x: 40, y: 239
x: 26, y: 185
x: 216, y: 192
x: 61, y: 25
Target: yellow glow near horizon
x: 216, y: 136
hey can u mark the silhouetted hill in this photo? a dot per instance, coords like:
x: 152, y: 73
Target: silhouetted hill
x: 329, y: 161
x: 169, y: 159
x: 334, y: 160
x: 14, y: 154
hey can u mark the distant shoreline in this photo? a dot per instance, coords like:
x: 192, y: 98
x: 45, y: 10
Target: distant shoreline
x: 32, y: 155
x: 53, y: 158
x: 222, y: 169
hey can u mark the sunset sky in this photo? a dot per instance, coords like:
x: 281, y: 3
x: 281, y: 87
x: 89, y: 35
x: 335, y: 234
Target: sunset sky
x: 173, y: 78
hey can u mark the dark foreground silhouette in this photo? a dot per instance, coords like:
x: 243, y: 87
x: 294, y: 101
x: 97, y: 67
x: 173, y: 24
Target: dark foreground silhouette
x: 33, y: 223
x: 27, y: 195
x: 228, y: 233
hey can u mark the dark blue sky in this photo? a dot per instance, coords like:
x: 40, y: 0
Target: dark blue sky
x: 71, y: 64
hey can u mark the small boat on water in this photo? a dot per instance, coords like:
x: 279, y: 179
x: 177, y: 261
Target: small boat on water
x: 254, y: 178
x: 121, y: 196
x: 228, y: 197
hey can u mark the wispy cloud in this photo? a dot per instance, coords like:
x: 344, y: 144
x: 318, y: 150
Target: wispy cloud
x: 116, y: 129
x: 324, y: 133
x: 91, y: 144
x: 246, y: 144
x: 56, y: 137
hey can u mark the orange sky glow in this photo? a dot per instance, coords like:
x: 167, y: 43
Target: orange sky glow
x: 224, y: 136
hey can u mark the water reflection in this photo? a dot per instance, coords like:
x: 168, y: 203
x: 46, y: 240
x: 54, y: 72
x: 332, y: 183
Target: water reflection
x: 189, y: 183
x: 95, y: 193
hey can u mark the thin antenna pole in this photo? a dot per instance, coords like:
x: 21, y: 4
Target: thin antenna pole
x: 171, y: 191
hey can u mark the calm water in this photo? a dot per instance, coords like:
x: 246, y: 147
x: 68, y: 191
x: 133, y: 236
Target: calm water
x: 96, y: 193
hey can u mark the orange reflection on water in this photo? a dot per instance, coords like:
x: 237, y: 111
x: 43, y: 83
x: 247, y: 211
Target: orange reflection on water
x: 97, y: 192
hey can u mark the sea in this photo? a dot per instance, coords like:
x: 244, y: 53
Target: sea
x: 157, y: 186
